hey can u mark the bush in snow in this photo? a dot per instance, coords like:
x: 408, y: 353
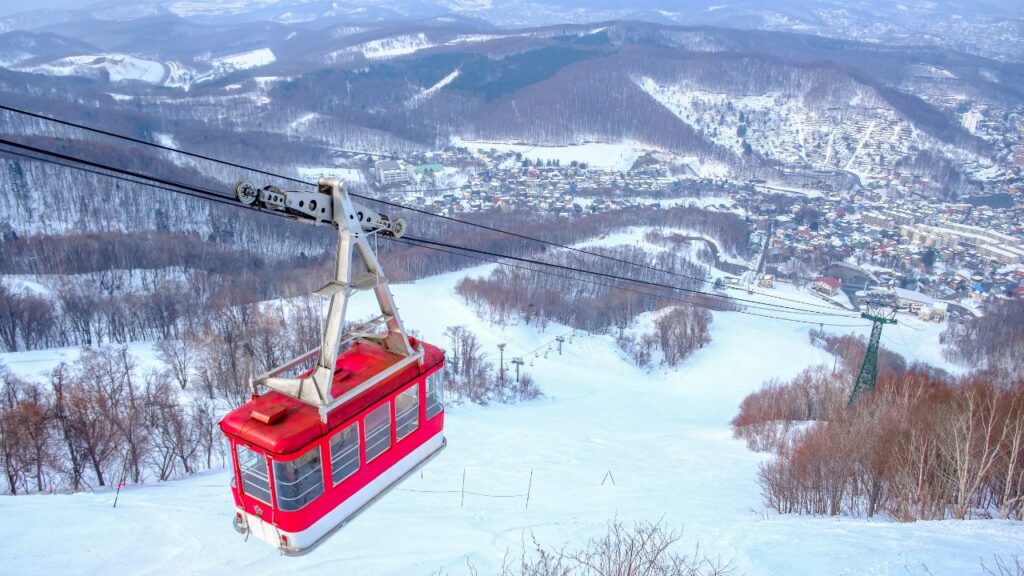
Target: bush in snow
x: 677, y: 333
x: 644, y: 549
x: 922, y: 446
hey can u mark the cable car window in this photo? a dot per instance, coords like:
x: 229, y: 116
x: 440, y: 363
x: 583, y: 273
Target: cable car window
x: 255, y: 475
x: 345, y: 453
x: 407, y: 411
x: 378, y: 431
x: 298, y: 481
x: 435, y: 395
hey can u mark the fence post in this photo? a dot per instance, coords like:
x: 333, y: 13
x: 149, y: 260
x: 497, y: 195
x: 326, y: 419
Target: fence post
x: 463, y: 500
x: 120, y: 483
x: 529, y: 489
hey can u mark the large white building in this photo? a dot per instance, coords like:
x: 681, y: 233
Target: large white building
x: 970, y: 121
x: 393, y: 172
x: 987, y: 243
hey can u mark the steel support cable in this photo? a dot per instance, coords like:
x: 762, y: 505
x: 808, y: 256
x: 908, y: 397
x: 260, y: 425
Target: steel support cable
x: 627, y: 289
x: 579, y: 250
x: 127, y: 175
x: 209, y: 195
x: 184, y: 189
x: 723, y: 297
x: 121, y: 178
x: 378, y: 200
x: 94, y: 130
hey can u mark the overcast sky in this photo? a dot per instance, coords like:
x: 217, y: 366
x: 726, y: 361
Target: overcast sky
x: 8, y: 7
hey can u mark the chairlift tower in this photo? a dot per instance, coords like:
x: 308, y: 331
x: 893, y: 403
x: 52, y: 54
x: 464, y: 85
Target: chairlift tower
x: 501, y: 362
x: 518, y: 361
x: 880, y: 314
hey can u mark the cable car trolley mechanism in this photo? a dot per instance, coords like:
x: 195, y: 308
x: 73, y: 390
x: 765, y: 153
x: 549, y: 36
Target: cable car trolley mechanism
x: 339, y: 426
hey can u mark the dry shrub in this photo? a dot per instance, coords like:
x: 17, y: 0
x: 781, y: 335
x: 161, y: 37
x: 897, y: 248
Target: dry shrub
x: 766, y: 417
x: 643, y: 549
x: 921, y: 446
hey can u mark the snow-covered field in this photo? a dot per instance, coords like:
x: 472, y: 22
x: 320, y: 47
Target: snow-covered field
x: 382, y: 48
x: 119, y: 67
x: 664, y: 436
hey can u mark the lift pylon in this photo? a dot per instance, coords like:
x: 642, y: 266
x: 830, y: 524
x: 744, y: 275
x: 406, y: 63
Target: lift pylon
x: 880, y: 315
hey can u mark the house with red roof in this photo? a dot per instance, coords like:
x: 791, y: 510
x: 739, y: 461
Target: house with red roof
x: 827, y: 285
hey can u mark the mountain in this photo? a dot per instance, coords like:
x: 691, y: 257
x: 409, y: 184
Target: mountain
x: 790, y: 109
x: 992, y: 28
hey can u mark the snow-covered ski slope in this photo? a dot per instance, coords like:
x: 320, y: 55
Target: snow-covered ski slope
x: 664, y: 436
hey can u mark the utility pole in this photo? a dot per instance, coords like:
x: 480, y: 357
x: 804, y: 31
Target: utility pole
x: 560, y: 339
x: 518, y: 362
x: 501, y: 363
x: 880, y: 315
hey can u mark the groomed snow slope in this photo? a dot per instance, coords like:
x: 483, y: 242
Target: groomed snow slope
x: 664, y: 436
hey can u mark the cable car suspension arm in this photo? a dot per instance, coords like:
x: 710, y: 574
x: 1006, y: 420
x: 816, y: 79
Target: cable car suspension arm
x: 356, y: 269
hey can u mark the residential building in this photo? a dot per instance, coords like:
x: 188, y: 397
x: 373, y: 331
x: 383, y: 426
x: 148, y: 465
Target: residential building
x: 827, y: 285
x: 912, y: 300
x: 987, y: 243
x: 970, y: 120
x: 876, y: 220
x: 393, y: 172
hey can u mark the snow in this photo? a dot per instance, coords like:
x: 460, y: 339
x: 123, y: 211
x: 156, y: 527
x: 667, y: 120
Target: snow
x: 119, y: 67
x: 795, y: 122
x: 224, y: 65
x: 13, y: 56
x: 664, y: 436
x: 296, y: 126
x: 345, y: 174
x: 268, y: 82
x: 619, y: 157
x: 382, y: 48
x: 22, y: 284
x: 916, y: 339
x: 472, y: 38
x: 36, y: 364
x: 636, y: 236
x: 164, y: 139
x: 428, y: 92
x: 179, y: 76
x: 244, y: 60
x: 216, y: 8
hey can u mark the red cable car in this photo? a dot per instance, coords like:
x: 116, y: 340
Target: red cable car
x: 327, y: 441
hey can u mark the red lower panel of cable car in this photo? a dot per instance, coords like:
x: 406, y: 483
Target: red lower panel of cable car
x: 298, y: 480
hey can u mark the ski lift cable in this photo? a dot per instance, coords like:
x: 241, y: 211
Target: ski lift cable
x: 613, y: 286
x: 627, y: 289
x: 381, y: 201
x: 624, y: 278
